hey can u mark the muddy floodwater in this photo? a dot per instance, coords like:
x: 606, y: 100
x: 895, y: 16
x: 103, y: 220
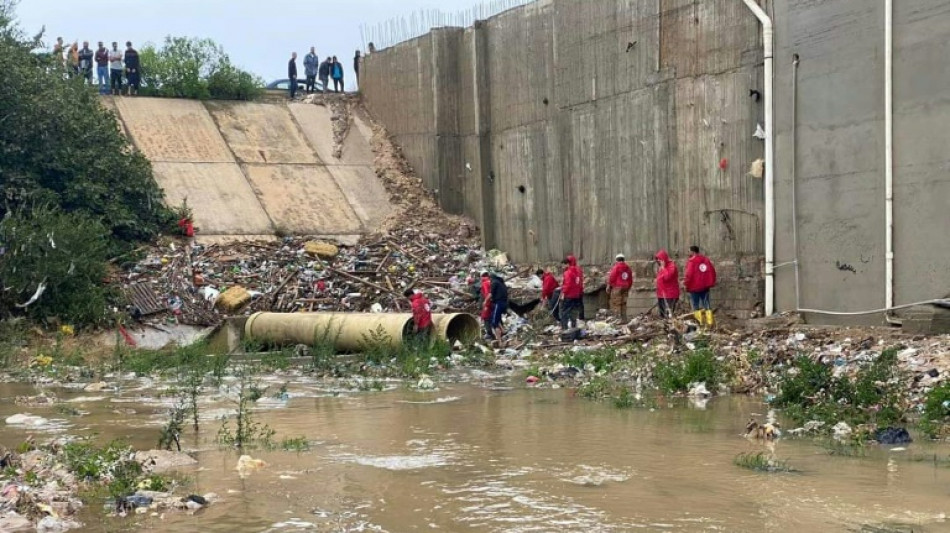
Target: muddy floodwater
x: 471, y: 457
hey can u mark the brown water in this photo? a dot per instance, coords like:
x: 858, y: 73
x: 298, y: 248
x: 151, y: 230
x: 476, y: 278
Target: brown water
x: 469, y: 458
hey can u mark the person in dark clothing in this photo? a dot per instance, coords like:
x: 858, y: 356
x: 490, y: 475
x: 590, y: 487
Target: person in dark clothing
x: 356, y: 66
x: 310, y: 64
x: 324, y: 73
x: 133, y: 74
x: 337, y: 74
x: 85, y: 62
x: 102, y: 68
x: 499, y: 302
x: 292, y: 74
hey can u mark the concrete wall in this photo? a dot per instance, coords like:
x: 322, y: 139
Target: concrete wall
x: 589, y: 126
x: 258, y: 170
x: 831, y: 150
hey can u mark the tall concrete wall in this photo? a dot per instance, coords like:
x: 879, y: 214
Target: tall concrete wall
x: 590, y: 126
x: 831, y: 150
x: 595, y: 126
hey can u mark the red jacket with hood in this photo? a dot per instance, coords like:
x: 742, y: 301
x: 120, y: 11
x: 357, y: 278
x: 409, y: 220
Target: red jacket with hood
x: 621, y: 277
x: 548, y: 285
x: 667, y: 279
x: 573, y: 279
x: 421, y: 311
x: 700, y: 274
x: 486, y: 298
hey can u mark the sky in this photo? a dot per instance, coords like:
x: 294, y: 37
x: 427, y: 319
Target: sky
x: 258, y: 35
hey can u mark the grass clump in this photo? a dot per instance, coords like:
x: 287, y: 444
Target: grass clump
x: 811, y: 391
x: 935, y: 420
x: 761, y: 462
x: 698, y: 366
x: 604, y: 360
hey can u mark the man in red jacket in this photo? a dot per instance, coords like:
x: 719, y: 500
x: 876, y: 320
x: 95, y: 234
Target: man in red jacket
x: 667, y: 285
x: 421, y: 314
x: 572, y: 293
x: 618, y: 287
x: 550, y: 295
x: 700, y: 277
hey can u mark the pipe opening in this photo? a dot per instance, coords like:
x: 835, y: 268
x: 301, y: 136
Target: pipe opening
x: 462, y: 328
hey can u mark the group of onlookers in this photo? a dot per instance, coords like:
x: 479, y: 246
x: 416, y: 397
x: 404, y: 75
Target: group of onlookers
x: 111, y: 65
x: 329, y: 70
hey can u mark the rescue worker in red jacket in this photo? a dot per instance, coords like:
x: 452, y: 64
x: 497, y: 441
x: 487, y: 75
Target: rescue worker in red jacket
x: 550, y: 293
x: 667, y: 285
x: 572, y: 294
x: 486, y: 304
x: 700, y: 277
x: 421, y: 314
x: 618, y: 287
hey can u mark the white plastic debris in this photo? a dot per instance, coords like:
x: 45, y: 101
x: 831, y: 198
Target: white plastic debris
x: 842, y: 430
x: 699, y: 390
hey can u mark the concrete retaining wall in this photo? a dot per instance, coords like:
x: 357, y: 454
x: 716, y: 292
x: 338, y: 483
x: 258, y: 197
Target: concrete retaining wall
x: 596, y: 126
x: 589, y: 126
x: 831, y: 150
x: 258, y: 170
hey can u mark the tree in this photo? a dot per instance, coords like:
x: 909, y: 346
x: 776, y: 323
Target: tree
x: 67, y: 176
x: 54, y: 265
x: 195, y: 68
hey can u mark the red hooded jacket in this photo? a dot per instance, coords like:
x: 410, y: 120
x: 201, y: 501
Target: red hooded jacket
x: 621, y: 277
x: 486, y: 298
x: 573, y: 279
x: 667, y: 279
x: 548, y: 285
x: 421, y: 311
x: 700, y: 274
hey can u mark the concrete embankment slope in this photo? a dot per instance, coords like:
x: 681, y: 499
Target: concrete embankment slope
x: 256, y: 170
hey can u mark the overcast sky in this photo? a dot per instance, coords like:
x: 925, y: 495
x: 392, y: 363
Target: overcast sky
x: 259, y: 35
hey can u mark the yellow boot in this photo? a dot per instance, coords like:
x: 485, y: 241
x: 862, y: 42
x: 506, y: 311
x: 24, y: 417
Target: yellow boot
x: 698, y: 315
x: 709, y: 318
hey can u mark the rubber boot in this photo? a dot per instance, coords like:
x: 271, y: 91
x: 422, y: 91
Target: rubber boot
x: 698, y: 315
x: 710, y: 322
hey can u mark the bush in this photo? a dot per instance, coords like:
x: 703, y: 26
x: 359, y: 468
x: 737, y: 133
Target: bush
x: 676, y: 375
x: 936, y: 415
x: 65, y: 253
x: 195, y: 68
x: 60, y: 147
x: 810, y: 391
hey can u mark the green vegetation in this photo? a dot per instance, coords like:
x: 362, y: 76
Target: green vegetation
x: 600, y: 361
x: 112, y: 465
x: 74, y: 191
x: 761, y: 462
x: 935, y: 420
x: 247, y: 431
x: 810, y: 391
x: 415, y: 357
x: 697, y: 366
x: 195, y: 68
x: 295, y: 444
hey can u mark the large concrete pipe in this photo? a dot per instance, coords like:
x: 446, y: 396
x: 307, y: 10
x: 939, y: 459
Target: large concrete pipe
x: 350, y: 332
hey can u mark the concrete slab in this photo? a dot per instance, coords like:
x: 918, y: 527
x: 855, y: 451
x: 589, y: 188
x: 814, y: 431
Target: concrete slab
x: 314, y: 121
x: 223, y: 201
x: 262, y: 133
x: 365, y: 193
x: 168, y: 130
x: 303, y: 199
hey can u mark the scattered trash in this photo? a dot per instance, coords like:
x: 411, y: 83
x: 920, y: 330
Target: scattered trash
x: 890, y: 436
x: 247, y: 464
x: 841, y: 430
